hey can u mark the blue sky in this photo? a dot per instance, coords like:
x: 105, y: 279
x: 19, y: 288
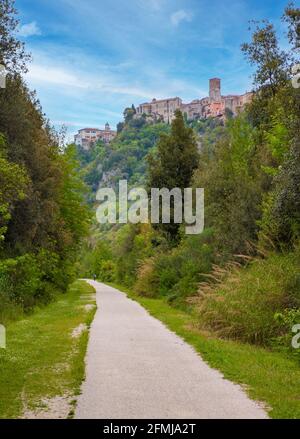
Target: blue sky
x: 92, y: 58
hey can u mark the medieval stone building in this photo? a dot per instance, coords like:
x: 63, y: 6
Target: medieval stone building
x: 89, y: 136
x: 212, y: 106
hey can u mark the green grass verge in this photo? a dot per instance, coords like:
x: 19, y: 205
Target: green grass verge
x: 269, y: 377
x: 42, y: 359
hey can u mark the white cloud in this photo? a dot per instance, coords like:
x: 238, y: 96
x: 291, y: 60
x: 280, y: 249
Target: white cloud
x: 67, y: 78
x: 107, y: 82
x: 86, y: 122
x: 29, y: 30
x: 179, y: 16
x: 57, y: 76
x: 64, y: 78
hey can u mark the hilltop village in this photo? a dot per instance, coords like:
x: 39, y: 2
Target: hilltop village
x: 212, y: 106
x: 215, y: 105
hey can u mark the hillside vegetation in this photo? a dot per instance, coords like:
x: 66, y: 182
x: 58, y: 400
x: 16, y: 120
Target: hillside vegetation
x: 124, y: 158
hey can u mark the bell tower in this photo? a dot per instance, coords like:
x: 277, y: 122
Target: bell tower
x: 215, y: 89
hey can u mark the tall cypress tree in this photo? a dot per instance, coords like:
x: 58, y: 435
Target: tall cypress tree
x: 173, y: 165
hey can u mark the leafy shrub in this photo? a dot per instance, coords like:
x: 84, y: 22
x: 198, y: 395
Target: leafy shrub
x: 147, y: 279
x: 107, y: 270
x: 281, y: 219
x: 97, y: 262
x: 21, y: 280
x: 132, y: 245
x: 287, y: 319
x: 176, y: 273
x: 29, y: 280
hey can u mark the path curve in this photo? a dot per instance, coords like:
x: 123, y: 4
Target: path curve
x: 136, y: 368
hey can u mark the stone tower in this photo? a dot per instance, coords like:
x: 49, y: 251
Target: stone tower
x: 107, y: 127
x: 215, y: 89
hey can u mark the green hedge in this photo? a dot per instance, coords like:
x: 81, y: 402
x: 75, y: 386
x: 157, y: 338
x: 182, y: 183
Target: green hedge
x: 29, y: 280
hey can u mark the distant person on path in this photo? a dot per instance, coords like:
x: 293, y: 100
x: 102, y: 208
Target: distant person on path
x: 95, y: 277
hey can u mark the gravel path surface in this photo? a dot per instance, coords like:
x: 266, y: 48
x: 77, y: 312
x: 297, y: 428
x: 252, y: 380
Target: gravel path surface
x: 137, y: 368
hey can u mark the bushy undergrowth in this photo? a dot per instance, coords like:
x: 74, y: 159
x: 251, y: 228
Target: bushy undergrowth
x: 256, y: 303
x: 175, y: 274
x: 97, y: 262
x: 30, y: 280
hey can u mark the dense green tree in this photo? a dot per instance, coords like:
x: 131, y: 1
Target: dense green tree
x: 120, y: 127
x: 233, y: 179
x: 173, y: 164
x: 13, y: 183
x: 129, y: 113
x: 270, y: 61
